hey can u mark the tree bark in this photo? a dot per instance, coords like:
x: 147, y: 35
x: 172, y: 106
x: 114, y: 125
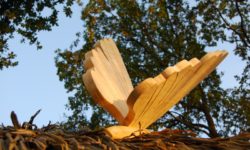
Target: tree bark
x: 211, y: 126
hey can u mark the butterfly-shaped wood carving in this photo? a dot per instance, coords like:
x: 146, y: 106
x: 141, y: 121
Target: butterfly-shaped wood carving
x: 108, y: 82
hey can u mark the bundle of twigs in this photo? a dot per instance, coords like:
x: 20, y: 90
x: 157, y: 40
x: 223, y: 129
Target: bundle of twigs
x: 27, y: 136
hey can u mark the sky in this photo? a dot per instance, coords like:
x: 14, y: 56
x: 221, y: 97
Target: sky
x: 34, y: 85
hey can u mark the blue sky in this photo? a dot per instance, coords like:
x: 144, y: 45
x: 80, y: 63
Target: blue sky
x: 34, y: 85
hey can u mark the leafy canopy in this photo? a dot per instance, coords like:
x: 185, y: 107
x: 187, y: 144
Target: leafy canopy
x: 26, y: 18
x: 152, y: 35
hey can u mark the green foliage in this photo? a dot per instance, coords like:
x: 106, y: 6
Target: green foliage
x: 232, y: 20
x: 26, y: 18
x: 152, y: 35
x: 229, y: 20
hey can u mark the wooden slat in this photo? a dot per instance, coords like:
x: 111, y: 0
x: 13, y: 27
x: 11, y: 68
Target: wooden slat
x: 174, y: 78
x: 139, y: 99
x: 166, y: 100
x: 113, y: 55
x: 106, y: 78
x: 208, y: 64
x: 154, y: 101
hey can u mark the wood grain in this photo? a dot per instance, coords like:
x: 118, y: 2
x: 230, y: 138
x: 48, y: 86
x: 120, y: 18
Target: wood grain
x: 108, y: 82
x: 161, y: 96
x: 106, y: 78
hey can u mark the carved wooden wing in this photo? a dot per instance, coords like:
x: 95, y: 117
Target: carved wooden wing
x: 107, y: 79
x: 108, y: 82
x: 153, y: 97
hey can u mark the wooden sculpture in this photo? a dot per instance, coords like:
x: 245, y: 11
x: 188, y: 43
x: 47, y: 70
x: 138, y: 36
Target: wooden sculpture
x: 108, y: 82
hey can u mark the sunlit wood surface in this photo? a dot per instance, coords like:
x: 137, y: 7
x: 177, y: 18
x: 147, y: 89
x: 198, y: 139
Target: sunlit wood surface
x: 108, y: 82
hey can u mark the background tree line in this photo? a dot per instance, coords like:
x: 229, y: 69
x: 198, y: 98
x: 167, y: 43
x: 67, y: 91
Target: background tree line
x: 151, y: 35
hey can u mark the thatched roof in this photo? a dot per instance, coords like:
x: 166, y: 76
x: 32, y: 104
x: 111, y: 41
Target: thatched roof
x: 52, y: 137
x: 27, y: 136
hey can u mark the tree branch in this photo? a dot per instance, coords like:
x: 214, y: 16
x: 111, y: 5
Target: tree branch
x: 14, y: 120
x: 243, y: 38
x: 204, y: 103
x: 195, y: 124
x: 242, y: 23
x: 189, y: 124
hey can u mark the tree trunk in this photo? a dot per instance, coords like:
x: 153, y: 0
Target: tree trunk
x: 211, y: 126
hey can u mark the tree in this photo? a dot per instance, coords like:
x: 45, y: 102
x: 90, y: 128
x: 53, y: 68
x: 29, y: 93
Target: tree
x: 232, y: 21
x: 26, y: 18
x: 152, y: 35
